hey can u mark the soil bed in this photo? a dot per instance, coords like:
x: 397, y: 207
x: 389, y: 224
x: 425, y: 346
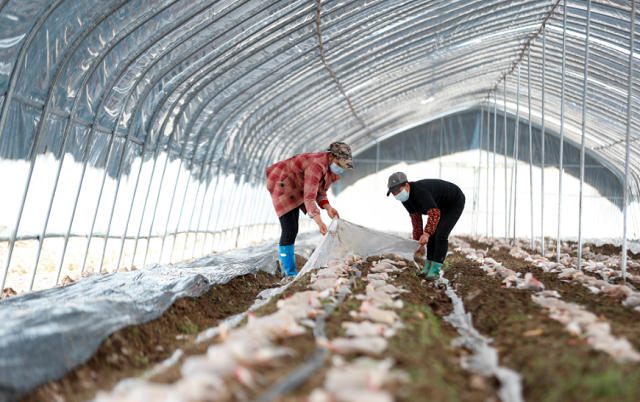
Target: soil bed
x: 555, y: 365
x: 134, y: 350
x: 625, y: 322
x: 422, y: 348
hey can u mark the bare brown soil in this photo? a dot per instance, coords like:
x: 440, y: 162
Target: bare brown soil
x: 625, y: 322
x: 424, y: 349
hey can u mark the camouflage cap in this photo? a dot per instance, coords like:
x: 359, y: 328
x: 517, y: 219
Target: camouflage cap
x: 342, y: 151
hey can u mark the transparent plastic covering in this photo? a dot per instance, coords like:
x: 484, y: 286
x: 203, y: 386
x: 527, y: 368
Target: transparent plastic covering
x: 146, y: 118
x: 345, y: 238
x: 46, y: 334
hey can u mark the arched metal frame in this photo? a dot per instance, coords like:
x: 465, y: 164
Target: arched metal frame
x: 224, y: 89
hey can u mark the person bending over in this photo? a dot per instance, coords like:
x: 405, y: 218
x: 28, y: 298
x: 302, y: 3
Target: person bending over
x: 442, y: 202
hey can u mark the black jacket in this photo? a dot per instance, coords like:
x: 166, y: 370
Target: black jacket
x: 433, y: 193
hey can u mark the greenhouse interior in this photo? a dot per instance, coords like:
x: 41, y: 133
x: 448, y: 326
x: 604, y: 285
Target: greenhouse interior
x: 155, y: 156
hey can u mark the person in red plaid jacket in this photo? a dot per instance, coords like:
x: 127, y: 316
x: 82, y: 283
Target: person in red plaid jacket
x: 443, y: 203
x: 299, y: 183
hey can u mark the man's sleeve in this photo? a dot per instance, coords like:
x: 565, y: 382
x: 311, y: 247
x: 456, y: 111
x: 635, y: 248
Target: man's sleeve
x: 416, y: 221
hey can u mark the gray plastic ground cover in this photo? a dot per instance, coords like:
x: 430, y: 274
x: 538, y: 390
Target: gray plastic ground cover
x: 46, y: 334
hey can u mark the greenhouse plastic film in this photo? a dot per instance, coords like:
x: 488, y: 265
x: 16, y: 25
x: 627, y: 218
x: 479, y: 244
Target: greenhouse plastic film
x: 46, y: 334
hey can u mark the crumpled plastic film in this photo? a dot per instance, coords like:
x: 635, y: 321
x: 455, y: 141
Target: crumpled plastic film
x: 484, y: 360
x: 345, y: 238
x: 46, y: 334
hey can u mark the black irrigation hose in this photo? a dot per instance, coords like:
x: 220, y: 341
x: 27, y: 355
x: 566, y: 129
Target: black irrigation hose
x: 301, y: 373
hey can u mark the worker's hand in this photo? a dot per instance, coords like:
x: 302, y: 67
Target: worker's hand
x: 321, y: 225
x: 424, y: 239
x: 333, y: 213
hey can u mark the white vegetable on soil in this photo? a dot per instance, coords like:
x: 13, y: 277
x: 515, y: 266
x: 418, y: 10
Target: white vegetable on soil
x: 598, y: 333
x: 576, y: 320
x: 204, y: 377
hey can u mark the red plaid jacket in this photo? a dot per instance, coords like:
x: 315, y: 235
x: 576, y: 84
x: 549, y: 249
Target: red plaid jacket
x: 300, y: 181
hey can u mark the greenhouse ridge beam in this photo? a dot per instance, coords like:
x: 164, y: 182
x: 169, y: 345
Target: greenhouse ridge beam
x: 524, y: 49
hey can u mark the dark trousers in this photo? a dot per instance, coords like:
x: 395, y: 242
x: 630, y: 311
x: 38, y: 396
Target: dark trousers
x: 289, y: 224
x: 439, y: 242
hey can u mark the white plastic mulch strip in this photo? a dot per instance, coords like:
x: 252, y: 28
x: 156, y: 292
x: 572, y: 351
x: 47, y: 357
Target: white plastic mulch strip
x: 484, y: 360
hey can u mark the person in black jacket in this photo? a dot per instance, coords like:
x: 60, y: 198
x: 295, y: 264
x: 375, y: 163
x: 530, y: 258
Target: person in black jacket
x: 442, y: 202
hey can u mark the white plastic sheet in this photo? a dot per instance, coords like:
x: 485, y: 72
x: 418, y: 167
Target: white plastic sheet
x: 345, y: 238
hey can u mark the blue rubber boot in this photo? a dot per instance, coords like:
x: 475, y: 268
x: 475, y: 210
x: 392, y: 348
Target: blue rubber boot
x: 427, y: 267
x: 434, y: 272
x: 287, y: 256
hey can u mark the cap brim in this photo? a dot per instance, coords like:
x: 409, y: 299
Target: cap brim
x: 346, y: 163
x: 394, y: 189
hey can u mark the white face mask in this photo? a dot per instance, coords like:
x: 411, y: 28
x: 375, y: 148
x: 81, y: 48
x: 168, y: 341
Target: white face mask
x: 336, y: 169
x: 402, y: 196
